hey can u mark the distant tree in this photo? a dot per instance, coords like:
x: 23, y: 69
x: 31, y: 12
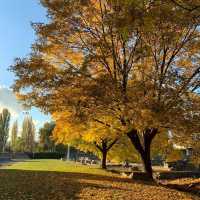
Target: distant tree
x: 28, y: 134
x: 103, y: 140
x: 100, y: 146
x: 119, y: 154
x: 161, y: 145
x: 193, y: 144
x: 88, y: 137
x: 196, y: 154
x: 14, y: 133
x: 95, y: 138
x: 4, y: 128
x: 19, y: 145
x: 174, y: 155
x: 46, y: 142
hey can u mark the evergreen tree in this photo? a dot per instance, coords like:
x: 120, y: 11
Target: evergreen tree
x: 14, y: 133
x: 28, y: 134
x: 4, y: 128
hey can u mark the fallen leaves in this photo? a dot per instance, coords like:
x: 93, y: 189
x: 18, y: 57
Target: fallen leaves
x: 43, y: 185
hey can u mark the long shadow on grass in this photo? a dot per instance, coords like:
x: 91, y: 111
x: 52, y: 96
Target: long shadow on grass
x: 42, y: 185
x: 193, y: 189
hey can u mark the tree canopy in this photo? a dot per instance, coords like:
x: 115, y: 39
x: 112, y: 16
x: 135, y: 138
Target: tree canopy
x: 135, y: 61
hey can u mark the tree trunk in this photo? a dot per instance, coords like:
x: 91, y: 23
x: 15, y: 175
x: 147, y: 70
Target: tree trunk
x: 146, y: 158
x: 145, y: 149
x: 104, y: 157
x: 105, y: 146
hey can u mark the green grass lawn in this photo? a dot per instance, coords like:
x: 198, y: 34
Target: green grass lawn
x: 58, y: 180
x: 57, y: 166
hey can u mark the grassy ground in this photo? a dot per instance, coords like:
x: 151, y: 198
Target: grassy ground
x: 58, y: 180
x: 56, y: 166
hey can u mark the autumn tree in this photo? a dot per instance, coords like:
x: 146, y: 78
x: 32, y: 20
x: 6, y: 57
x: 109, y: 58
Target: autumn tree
x: 89, y: 137
x: 136, y: 61
x: 28, y: 134
x: 104, y: 142
x: 123, y: 151
x: 14, y: 133
x: 4, y: 128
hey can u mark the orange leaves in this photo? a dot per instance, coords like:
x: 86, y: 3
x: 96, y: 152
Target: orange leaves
x: 128, y: 64
x: 66, y: 131
x: 58, y: 180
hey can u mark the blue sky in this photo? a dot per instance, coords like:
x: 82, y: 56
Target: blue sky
x: 16, y: 37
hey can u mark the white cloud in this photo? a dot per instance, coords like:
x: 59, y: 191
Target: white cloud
x: 9, y: 101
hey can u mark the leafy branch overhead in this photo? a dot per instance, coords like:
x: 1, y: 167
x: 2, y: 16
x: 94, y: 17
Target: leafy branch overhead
x: 134, y: 62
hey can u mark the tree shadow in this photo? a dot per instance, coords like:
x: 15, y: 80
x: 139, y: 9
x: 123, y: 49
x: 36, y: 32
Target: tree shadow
x: 24, y: 184
x: 42, y: 185
x: 51, y: 185
x: 187, y: 188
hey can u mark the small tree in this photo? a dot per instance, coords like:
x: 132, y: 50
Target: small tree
x: 19, y: 145
x: 45, y: 137
x: 103, y: 140
x: 4, y: 128
x: 28, y: 134
x: 93, y: 137
x: 14, y: 133
x: 119, y: 154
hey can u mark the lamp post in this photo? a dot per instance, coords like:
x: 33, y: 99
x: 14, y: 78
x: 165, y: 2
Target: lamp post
x: 68, y: 152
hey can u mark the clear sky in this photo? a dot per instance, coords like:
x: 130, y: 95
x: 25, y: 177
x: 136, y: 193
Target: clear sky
x: 16, y: 37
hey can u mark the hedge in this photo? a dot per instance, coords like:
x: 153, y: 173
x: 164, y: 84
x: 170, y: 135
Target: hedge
x: 46, y: 155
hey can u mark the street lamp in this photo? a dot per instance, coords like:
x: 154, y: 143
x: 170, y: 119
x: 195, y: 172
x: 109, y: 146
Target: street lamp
x: 68, y: 152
